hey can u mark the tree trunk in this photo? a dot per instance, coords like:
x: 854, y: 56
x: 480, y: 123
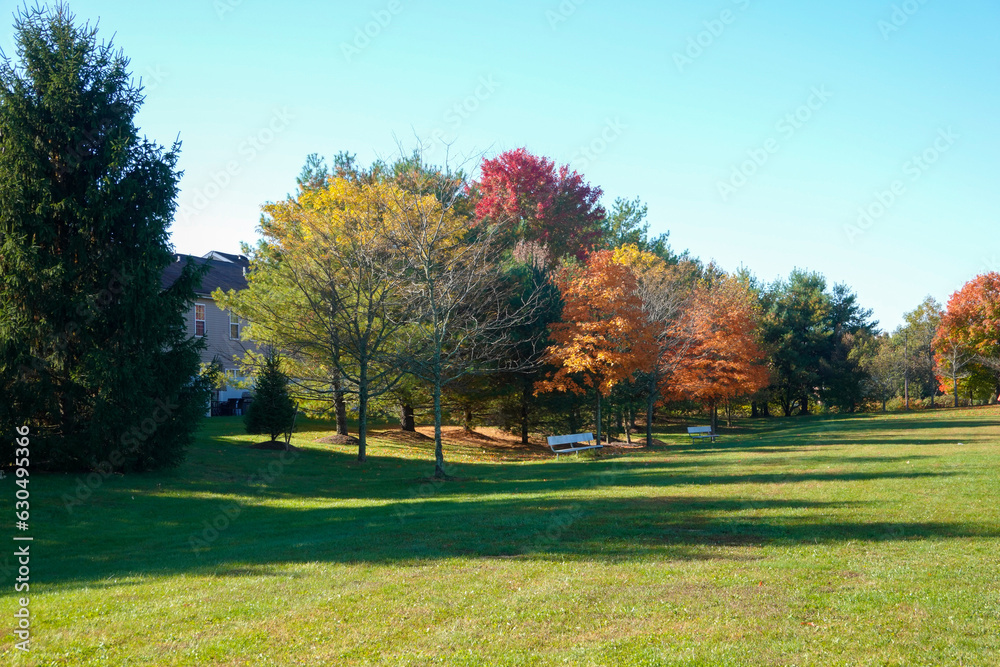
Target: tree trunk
x: 786, y: 406
x: 340, y: 406
x: 598, y: 417
x: 438, y: 449
x: 67, y: 419
x: 525, y: 397
x: 729, y: 414
x: 629, y: 425
x: 884, y: 408
x: 406, y: 422
x: 954, y: 380
x: 362, y: 411
x: 753, y: 410
x: 930, y: 364
x: 650, y: 402
x: 765, y: 410
x: 906, y: 371
x: 714, y: 418
x: 467, y: 418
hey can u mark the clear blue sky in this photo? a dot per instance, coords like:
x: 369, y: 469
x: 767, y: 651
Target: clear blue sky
x: 683, y: 93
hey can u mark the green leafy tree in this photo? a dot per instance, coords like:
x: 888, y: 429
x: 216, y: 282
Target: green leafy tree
x: 920, y: 328
x: 882, y: 361
x: 272, y: 410
x: 531, y: 277
x: 93, y: 351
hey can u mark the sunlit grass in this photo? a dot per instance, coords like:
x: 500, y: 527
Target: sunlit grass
x: 861, y: 540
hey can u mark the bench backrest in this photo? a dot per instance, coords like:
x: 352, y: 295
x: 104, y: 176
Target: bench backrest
x: 570, y: 439
x: 699, y: 429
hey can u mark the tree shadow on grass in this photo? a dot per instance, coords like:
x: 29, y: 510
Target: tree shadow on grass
x: 551, y: 511
x: 325, y: 475
x: 259, y: 537
x: 838, y: 432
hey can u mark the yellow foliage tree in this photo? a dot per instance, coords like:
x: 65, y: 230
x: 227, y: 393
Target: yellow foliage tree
x: 318, y: 291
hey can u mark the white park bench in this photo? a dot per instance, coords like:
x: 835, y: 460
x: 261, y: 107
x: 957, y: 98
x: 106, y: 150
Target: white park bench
x: 572, y: 441
x: 702, y: 432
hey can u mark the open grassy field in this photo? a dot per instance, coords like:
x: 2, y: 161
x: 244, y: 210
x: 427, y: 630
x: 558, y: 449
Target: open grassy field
x: 840, y: 541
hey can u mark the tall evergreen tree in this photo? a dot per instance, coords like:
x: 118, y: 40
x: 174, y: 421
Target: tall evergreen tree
x: 810, y: 333
x: 796, y: 333
x: 93, y: 351
x: 844, y: 378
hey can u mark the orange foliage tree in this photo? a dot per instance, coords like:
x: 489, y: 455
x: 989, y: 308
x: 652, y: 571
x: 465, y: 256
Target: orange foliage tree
x: 724, y: 359
x: 604, y: 337
x: 970, y: 328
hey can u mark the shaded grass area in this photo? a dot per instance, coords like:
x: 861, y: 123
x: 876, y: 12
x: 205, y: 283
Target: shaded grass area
x: 834, y: 540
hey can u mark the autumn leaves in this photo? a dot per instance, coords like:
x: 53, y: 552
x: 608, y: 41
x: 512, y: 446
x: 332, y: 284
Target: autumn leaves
x: 391, y: 281
x: 630, y: 317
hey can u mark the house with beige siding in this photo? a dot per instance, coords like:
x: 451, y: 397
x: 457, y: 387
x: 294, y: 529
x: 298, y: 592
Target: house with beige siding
x: 221, y: 329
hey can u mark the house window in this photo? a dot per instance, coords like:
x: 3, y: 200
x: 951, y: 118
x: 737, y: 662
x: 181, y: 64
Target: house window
x: 234, y: 327
x: 199, y: 319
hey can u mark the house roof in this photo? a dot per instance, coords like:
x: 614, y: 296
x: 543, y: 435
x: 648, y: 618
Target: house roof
x: 227, y: 257
x: 225, y: 272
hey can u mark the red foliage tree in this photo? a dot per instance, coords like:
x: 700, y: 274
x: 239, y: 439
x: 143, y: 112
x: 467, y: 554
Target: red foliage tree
x: 534, y: 201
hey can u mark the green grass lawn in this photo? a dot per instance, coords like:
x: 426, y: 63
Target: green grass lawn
x: 848, y: 541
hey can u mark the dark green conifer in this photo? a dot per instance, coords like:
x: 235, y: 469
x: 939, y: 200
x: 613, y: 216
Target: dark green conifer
x: 94, y: 355
x: 271, y: 411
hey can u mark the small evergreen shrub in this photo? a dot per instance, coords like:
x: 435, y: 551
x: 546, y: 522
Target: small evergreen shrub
x: 272, y: 410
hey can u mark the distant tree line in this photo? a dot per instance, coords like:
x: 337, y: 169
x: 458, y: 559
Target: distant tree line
x: 515, y: 299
